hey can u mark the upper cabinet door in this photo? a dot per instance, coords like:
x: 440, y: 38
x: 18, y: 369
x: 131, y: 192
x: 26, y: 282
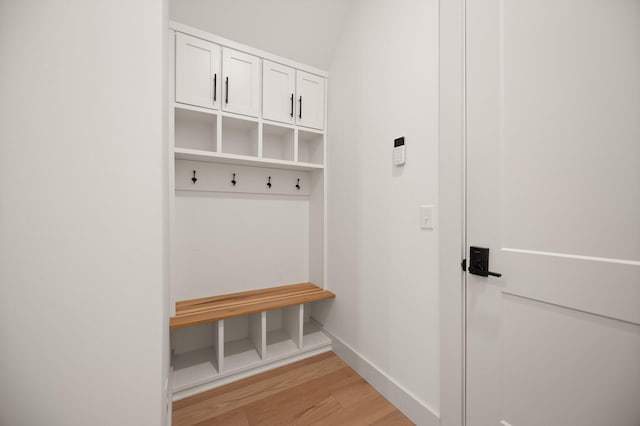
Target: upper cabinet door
x: 197, y: 72
x: 310, y: 102
x: 278, y: 95
x: 241, y: 82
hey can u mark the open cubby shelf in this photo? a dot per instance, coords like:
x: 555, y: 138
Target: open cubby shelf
x: 278, y: 142
x: 239, y: 137
x: 196, y: 130
x: 310, y: 147
x: 213, y: 136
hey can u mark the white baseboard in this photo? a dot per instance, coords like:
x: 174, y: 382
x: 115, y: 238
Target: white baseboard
x: 416, y: 411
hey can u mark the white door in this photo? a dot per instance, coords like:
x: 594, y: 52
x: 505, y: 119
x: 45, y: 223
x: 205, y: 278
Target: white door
x: 278, y: 92
x: 197, y: 72
x: 241, y: 83
x: 553, y: 150
x: 310, y: 108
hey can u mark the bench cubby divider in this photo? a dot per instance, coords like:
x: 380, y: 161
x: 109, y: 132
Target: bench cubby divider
x: 292, y: 320
x: 257, y: 324
x: 218, y: 335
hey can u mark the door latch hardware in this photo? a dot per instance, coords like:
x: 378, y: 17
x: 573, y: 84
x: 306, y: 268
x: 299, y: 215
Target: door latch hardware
x: 479, y: 262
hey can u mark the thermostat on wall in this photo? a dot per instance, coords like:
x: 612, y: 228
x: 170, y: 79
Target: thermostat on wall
x: 399, y: 156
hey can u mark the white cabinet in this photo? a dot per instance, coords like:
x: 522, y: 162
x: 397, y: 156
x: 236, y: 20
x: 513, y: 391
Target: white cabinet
x: 197, y: 72
x: 199, y: 81
x: 241, y: 74
x: 238, y: 105
x: 292, y: 96
x: 278, y: 96
x: 311, y: 98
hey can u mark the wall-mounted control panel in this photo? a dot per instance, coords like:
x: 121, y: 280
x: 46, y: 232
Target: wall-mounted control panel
x: 399, y: 154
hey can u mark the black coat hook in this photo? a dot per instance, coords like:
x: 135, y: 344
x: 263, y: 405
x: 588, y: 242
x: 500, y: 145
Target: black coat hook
x: 269, y: 183
x: 298, y: 185
x: 233, y: 181
x: 194, y: 179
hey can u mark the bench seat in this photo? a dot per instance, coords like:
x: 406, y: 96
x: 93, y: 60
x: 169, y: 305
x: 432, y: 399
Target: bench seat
x: 215, y: 308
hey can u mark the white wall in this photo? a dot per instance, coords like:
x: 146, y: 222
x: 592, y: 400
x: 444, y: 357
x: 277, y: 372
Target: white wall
x: 81, y: 213
x: 303, y: 30
x: 225, y: 243
x: 382, y: 266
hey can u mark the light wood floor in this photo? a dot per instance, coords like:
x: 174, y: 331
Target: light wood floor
x: 321, y: 390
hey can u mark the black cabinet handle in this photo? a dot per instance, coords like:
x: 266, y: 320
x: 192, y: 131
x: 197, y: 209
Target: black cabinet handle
x: 292, y: 105
x: 215, y: 87
x: 300, y: 109
x: 226, y: 96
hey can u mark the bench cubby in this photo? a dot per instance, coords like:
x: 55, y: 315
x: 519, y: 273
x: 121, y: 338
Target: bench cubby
x: 243, y: 346
x: 283, y: 331
x: 195, y: 357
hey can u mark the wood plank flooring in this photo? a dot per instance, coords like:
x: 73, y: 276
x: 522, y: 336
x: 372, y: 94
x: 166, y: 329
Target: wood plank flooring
x: 321, y: 390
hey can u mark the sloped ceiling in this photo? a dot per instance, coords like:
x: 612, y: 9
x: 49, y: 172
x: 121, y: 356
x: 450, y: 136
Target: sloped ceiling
x: 303, y: 30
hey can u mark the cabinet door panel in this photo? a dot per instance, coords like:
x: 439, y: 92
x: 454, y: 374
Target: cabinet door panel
x: 241, y: 82
x: 278, y: 96
x: 197, y: 72
x: 310, y: 102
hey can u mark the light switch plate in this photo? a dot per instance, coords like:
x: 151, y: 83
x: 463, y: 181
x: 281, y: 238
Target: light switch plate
x: 427, y: 217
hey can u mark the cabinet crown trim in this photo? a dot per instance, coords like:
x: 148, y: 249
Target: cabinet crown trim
x: 182, y: 28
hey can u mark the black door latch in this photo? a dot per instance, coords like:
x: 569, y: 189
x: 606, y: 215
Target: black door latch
x: 479, y: 263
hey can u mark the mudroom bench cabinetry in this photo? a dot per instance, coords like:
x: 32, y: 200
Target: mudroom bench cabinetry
x: 247, y: 197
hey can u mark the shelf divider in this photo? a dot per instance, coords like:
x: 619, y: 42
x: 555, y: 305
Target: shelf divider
x: 292, y: 321
x: 258, y: 333
x: 218, y: 335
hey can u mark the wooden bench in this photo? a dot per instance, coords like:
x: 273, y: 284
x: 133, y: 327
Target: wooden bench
x: 210, y: 309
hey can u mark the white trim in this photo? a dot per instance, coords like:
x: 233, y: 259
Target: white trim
x: 168, y: 44
x: 170, y: 162
x: 325, y: 189
x: 244, y: 160
x: 575, y: 256
x: 182, y: 28
x: 451, y: 184
x: 417, y: 411
x: 234, y: 377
